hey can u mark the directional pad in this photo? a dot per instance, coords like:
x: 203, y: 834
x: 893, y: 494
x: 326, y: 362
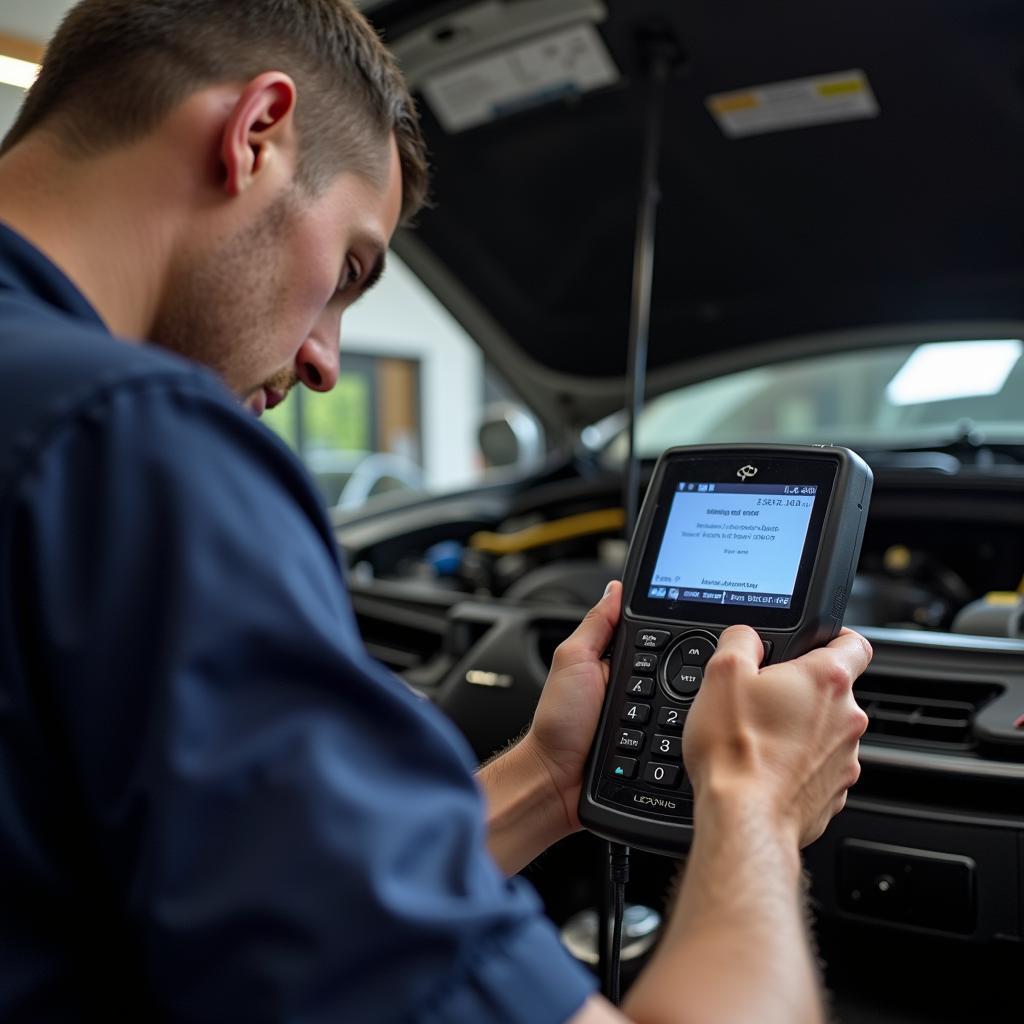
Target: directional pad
x: 684, y: 666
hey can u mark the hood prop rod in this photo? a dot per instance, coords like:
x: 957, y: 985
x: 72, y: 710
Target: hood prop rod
x: 661, y: 55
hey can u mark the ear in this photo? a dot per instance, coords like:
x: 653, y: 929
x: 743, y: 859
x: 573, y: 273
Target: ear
x: 261, y: 121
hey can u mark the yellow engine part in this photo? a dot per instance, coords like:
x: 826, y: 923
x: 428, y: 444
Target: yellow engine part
x: 542, y: 534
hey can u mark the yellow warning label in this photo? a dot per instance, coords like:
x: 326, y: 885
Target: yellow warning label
x: 838, y: 88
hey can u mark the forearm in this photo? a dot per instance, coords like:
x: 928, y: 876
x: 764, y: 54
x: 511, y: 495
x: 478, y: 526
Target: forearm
x: 736, y: 947
x: 525, y: 814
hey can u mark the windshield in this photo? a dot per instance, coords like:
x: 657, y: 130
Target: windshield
x: 882, y: 397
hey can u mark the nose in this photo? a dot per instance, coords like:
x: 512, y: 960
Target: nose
x: 316, y: 362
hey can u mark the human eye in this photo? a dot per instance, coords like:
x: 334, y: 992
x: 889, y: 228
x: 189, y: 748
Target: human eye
x: 351, y: 275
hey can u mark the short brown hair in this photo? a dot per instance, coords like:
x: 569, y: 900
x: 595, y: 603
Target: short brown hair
x: 116, y: 68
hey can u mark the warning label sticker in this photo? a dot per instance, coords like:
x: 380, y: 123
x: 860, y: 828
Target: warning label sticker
x: 560, y: 65
x: 822, y: 99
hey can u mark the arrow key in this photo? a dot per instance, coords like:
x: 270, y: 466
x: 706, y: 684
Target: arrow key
x: 623, y: 767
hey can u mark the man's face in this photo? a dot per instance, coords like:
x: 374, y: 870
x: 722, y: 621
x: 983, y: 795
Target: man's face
x: 263, y: 306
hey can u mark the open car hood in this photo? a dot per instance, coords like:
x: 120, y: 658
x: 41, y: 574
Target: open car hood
x: 899, y: 223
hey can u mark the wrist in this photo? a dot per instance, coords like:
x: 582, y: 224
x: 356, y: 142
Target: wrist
x: 739, y: 808
x: 525, y: 810
x: 560, y: 799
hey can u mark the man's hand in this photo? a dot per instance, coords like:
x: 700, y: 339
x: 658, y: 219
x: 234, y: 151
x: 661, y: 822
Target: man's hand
x: 570, y: 706
x: 771, y: 753
x: 533, y: 789
x: 785, y: 737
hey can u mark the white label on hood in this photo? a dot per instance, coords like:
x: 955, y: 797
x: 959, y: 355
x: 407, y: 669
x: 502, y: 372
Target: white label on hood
x: 554, y: 67
x: 823, y: 99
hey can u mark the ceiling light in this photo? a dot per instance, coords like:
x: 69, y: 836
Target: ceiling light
x: 19, y: 73
x: 943, y: 370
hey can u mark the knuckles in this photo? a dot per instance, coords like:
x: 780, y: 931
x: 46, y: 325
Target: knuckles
x: 859, y: 722
x: 839, y: 677
x: 726, y: 663
x: 566, y: 653
x: 869, y: 651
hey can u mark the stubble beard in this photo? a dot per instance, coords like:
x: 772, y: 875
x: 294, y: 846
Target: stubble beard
x: 220, y: 307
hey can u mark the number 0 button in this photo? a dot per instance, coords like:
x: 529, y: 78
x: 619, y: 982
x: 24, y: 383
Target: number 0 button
x: 661, y: 774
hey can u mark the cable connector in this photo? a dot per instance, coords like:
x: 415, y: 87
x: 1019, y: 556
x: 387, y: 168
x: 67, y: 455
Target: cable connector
x: 618, y: 863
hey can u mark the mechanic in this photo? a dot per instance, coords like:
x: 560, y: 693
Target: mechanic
x: 214, y: 805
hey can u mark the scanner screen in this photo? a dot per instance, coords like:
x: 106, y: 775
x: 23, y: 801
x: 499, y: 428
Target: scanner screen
x: 734, y: 544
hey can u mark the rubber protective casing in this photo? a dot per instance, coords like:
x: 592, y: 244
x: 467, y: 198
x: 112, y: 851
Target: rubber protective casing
x: 827, y: 592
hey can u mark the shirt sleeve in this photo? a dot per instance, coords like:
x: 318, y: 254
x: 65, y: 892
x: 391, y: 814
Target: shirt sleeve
x: 291, y: 834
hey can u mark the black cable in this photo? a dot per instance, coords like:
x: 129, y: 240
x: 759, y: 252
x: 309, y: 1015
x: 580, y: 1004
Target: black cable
x: 604, y: 923
x: 618, y: 872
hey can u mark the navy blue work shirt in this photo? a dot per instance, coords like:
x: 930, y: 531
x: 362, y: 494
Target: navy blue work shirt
x: 214, y: 806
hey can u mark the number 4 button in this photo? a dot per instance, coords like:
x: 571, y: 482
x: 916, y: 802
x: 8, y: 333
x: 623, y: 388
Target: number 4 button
x: 638, y: 713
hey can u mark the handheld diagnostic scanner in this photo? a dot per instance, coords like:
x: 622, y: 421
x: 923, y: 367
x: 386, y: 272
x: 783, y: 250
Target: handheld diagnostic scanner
x: 765, y: 535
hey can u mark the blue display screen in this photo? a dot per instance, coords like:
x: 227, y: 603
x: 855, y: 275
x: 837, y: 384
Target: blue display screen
x: 734, y: 544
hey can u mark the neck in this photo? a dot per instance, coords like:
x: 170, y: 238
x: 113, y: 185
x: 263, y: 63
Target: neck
x: 101, y: 220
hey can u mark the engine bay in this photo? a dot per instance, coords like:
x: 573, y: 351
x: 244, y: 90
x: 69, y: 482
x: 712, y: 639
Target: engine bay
x: 935, y: 546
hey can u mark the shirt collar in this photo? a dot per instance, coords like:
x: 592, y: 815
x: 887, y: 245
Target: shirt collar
x: 23, y: 268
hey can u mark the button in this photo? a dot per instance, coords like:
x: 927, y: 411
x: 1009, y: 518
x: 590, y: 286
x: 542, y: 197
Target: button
x: 671, y: 717
x: 686, y: 682
x: 662, y: 774
x: 652, y: 639
x: 768, y: 645
x: 623, y: 767
x: 638, y: 713
x: 645, y: 663
x: 668, y: 747
x: 640, y: 686
x: 696, y: 650
x: 630, y: 739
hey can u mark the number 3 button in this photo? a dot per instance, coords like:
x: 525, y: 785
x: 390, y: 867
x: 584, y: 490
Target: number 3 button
x: 668, y: 747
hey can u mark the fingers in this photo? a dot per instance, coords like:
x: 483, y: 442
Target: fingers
x: 738, y: 647
x: 593, y: 635
x: 839, y: 663
x: 855, y: 647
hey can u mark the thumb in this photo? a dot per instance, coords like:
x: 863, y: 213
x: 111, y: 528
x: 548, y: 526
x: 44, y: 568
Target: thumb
x: 593, y: 635
x: 738, y: 644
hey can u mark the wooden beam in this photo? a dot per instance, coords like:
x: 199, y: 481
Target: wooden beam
x: 21, y: 49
